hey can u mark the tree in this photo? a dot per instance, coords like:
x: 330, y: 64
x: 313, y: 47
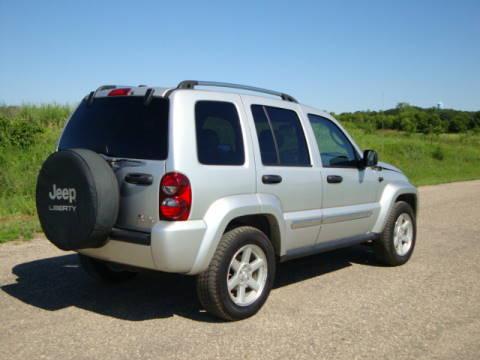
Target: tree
x: 434, y: 126
x: 459, y: 122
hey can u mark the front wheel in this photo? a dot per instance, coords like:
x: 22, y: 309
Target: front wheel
x: 240, y: 276
x: 397, y: 241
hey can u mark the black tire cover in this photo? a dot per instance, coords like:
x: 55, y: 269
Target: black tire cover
x: 77, y: 199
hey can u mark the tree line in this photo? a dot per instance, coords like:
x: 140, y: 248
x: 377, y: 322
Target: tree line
x: 412, y: 119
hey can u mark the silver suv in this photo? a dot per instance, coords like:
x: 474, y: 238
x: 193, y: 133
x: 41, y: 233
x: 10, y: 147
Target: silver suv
x: 218, y: 184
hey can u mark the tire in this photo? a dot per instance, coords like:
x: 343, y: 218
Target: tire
x: 212, y: 288
x: 101, y: 271
x: 77, y: 199
x: 385, y: 246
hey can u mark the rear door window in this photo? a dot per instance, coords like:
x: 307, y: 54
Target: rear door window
x: 219, y: 136
x: 280, y: 136
x: 120, y: 127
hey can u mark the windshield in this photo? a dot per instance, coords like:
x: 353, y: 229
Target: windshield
x: 120, y: 127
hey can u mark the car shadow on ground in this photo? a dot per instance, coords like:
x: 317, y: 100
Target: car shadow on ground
x: 58, y: 282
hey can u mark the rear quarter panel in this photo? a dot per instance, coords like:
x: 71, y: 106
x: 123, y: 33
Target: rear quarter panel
x: 209, y: 182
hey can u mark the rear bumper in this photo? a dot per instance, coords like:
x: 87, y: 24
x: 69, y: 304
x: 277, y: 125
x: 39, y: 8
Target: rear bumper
x: 170, y: 247
x: 175, y: 245
x: 134, y: 237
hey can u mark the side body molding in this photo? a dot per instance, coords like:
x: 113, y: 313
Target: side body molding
x: 224, y: 210
x: 390, y: 193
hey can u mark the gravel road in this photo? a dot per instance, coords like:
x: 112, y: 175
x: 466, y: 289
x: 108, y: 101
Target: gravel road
x: 339, y: 305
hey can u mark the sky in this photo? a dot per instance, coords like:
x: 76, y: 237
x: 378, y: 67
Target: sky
x: 334, y: 55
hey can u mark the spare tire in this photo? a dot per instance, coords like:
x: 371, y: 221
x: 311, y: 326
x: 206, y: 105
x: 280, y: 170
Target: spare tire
x: 77, y: 199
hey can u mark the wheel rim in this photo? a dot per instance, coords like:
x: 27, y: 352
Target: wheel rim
x: 403, y: 234
x: 247, y: 275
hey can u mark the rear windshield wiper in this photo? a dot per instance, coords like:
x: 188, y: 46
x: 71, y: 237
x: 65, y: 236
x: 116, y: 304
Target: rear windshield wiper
x: 118, y: 162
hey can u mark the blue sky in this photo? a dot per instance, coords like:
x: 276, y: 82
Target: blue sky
x: 335, y: 55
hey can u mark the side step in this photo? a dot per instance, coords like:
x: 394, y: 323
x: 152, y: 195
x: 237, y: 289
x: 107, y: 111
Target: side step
x: 328, y: 246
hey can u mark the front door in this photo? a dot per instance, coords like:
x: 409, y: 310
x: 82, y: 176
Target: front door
x: 350, y: 193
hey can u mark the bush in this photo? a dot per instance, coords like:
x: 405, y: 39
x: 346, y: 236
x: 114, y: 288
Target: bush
x: 20, y: 132
x: 413, y: 119
x: 28, y: 135
x: 368, y: 127
x: 408, y: 125
x: 438, y: 153
x: 21, y: 126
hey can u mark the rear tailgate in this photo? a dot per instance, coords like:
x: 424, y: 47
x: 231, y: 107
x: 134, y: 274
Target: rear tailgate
x: 133, y: 138
x: 139, y: 193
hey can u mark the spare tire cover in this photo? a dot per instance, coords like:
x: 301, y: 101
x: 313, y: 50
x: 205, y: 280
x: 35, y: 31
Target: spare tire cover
x: 77, y: 199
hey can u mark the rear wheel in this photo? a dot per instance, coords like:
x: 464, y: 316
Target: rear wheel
x: 103, y: 271
x: 396, y: 243
x: 240, y: 276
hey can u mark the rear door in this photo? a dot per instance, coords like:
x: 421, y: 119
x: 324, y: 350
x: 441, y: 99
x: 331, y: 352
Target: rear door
x: 133, y: 138
x: 284, y: 167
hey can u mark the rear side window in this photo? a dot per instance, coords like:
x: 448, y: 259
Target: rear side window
x: 280, y: 136
x: 120, y: 127
x: 219, y: 136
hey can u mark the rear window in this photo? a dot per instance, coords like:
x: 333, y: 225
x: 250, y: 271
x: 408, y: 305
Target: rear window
x: 120, y: 127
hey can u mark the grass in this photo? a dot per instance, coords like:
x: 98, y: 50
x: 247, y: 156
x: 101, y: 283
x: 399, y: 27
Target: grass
x: 28, y: 134
x: 426, y: 160
x: 18, y: 227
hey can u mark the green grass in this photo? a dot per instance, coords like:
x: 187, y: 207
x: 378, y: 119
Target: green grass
x: 28, y: 134
x: 425, y: 160
x: 18, y: 227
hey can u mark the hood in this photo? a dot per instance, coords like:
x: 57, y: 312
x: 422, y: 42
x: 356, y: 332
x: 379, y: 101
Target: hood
x: 388, y: 166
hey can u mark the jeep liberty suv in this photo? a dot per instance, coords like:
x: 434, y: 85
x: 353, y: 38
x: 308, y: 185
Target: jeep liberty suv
x: 219, y: 184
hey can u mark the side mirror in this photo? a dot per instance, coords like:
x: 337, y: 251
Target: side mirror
x: 370, y: 158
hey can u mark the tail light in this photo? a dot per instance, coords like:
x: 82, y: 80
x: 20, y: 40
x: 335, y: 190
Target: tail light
x: 175, y: 197
x: 119, y: 92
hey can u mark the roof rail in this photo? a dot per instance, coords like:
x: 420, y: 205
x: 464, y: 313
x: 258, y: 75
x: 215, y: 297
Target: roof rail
x: 190, y: 84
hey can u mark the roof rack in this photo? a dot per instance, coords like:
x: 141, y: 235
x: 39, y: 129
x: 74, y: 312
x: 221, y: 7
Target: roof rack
x: 190, y: 84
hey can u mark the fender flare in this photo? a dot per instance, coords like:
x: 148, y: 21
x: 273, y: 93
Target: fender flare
x: 223, y: 211
x: 390, y: 194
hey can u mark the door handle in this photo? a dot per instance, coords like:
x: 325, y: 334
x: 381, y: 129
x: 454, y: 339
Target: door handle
x: 139, y: 179
x: 334, y: 179
x: 271, y: 179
